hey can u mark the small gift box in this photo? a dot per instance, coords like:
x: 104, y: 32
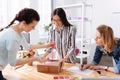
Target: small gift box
x: 50, y: 66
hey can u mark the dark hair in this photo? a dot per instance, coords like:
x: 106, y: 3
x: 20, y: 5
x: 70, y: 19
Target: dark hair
x: 61, y: 13
x: 27, y: 15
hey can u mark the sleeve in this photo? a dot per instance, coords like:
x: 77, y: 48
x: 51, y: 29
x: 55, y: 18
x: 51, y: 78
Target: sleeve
x: 12, y: 47
x: 116, y: 57
x: 24, y: 42
x: 117, y: 67
x: 72, y: 39
x: 97, y: 56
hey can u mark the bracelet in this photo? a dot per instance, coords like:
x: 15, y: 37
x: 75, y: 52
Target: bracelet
x: 106, y: 68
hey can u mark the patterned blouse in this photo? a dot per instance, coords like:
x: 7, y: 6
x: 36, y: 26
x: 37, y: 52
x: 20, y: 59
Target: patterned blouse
x: 65, y: 41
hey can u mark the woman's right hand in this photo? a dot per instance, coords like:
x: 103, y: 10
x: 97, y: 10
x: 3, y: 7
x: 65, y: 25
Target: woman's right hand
x: 84, y: 66
x: 41, y: 59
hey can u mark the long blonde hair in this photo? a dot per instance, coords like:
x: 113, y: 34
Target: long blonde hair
x: 107, y: 36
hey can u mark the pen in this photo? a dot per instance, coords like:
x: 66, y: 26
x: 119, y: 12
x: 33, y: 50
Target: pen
x: 82, y: 65
x: 101, y: 73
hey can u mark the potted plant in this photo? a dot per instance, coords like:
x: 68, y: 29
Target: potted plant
x: 46, y: 27
x: 40, y: 43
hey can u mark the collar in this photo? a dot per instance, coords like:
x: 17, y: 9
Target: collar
x: 55, y: 28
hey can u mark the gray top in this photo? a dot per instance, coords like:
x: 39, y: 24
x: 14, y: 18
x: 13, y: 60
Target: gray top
x: 9, y: 46
x: 65, y: 41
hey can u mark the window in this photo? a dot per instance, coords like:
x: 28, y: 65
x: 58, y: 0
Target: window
x: 9, y: 8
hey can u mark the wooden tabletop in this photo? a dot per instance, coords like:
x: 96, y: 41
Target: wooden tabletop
x: 30, y: 73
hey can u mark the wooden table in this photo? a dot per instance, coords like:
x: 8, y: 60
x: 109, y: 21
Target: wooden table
x: 30, y: 73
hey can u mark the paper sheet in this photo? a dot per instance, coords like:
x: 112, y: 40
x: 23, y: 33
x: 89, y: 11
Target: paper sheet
x: 76, y: 69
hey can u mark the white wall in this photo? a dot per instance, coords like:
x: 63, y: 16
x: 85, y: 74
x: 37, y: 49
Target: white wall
x: 9, y: 9
x: 102, y: 12
x: 44, y: 9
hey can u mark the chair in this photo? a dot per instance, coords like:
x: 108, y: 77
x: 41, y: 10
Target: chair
x: 83, y: 55
x: 90, y: 49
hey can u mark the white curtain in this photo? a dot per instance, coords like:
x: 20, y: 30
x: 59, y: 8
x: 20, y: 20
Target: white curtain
x: 9, y: 8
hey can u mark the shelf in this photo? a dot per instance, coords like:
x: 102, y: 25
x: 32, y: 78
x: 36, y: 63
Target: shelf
x: 82, y: 55
x: 117, y: 12
x: 79, y: 20
x: 74, y: 5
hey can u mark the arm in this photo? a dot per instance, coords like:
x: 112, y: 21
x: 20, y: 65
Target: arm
x: 42, y: 46
x: 13, y: 51
x: 116, y: 57
x: 47, y: 52
x: 50, y: 39
x: 71, y: 51
x: 26, y: 60
x: 28, y: 46
x: 116, y: 68
x: 97, y: 56
x: 83, y: 67
x: 99, y: 67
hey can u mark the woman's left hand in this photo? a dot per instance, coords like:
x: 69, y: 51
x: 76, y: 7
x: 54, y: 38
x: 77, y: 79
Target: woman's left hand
x: 62, y: 60
x: 62, y: 63
x: 40, y: 59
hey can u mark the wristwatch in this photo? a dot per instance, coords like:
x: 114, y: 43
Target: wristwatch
x: 106, y: 68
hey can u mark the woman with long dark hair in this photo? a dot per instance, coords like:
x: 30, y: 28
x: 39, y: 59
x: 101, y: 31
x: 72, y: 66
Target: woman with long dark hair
x: 63, y: 34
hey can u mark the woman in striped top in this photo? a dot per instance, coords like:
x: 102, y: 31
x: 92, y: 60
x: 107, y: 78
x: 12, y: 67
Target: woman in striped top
x: 63, y: 34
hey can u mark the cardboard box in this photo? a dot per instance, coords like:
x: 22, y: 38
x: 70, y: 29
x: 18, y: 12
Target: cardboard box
x: 51, y: 66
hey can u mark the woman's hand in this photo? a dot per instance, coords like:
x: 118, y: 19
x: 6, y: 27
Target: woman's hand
x: 61, y: 63
x: 62, y: 60
x: 41, y: 59
x: 86, y: 66
x: 83, y: 66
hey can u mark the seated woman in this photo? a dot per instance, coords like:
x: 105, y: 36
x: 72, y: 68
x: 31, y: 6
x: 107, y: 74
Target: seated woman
x: 106, y: 44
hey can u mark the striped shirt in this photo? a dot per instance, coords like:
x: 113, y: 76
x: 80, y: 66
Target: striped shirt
x: 65, y: 41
